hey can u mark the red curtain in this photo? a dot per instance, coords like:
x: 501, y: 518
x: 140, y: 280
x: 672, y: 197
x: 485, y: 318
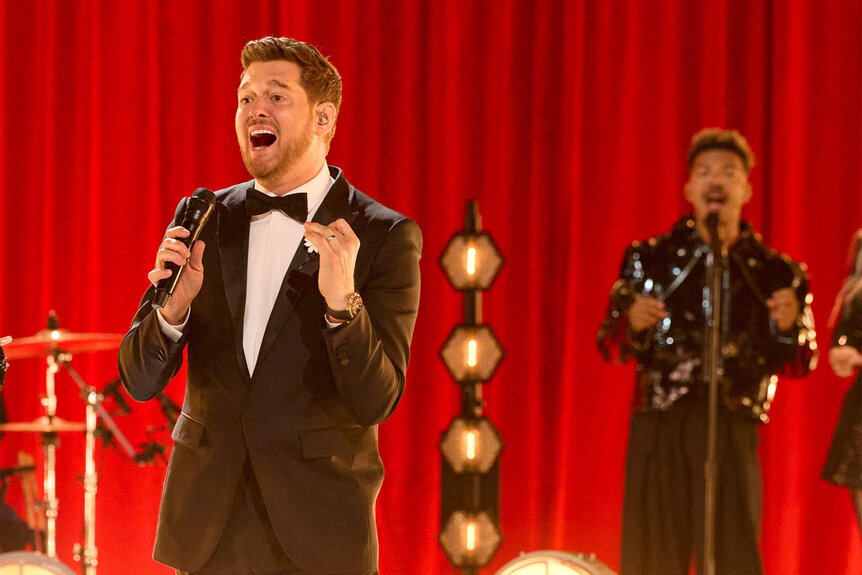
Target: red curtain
x: 567, y: 120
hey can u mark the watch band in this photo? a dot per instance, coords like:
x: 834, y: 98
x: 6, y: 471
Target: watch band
x: 342, y: 314
x: 354, y: 304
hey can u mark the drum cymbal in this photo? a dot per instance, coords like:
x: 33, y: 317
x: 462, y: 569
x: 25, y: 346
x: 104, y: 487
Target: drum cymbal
x: 47, y: 341
x: 42, y: 425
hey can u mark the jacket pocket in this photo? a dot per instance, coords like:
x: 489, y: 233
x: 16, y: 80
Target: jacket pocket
x: 187, y: 431
x: 331, y: 441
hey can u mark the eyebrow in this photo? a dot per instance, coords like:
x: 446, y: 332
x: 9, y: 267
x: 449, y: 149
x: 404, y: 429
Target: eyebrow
x: 270, y: 82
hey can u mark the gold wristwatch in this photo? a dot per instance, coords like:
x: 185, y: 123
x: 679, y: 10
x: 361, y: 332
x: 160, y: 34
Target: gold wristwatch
x: 354, y: 304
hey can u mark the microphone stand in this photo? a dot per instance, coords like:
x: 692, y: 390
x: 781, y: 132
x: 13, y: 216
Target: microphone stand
x: 715, y: 270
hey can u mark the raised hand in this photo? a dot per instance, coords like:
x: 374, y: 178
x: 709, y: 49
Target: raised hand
x: 174, y: 250
x: 645, y: 312
x: 338, y: 247
x: 783, y: 308
x: 844, y: 360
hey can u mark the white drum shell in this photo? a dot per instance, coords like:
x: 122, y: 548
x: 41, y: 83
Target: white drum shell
x: 25, y: 563
x: 555, y: 563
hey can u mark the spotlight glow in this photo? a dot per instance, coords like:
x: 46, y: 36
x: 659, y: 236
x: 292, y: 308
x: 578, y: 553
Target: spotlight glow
x: 470, y: 448
x: 472, y: 353
x: 471, y: 261
x: 471, y: 536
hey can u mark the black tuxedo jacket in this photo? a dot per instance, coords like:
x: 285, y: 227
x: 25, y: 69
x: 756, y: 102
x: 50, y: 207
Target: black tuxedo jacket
x: 307, y: 419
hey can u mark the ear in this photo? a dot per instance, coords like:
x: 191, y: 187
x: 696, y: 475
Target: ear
x: 324, y: 118
x: 748, y: 193
x: 689, y: 192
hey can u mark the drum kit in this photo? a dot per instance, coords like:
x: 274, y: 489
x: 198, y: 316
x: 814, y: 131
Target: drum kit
x: 555, y: 563
x: 57, y: 346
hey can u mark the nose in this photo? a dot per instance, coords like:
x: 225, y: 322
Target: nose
x: 257, y: 109
x: 716, y: 177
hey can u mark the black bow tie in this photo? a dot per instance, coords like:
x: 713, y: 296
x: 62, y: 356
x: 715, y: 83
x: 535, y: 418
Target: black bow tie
x: 294, y: 205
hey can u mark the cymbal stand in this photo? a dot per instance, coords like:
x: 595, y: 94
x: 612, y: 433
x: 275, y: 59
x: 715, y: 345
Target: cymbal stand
x: 88, y: 554
x: 49, y: 445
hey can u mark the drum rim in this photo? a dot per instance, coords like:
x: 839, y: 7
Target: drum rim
x: 34, y: 559
x: 572, y: 557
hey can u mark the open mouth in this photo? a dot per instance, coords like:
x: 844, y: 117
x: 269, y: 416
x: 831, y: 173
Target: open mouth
x: 715, y: 201
x: 261, y: 139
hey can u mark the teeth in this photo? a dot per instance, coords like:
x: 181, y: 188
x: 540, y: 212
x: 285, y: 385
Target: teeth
x: 261, y: 132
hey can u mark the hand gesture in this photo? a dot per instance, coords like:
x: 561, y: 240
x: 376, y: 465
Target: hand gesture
x: 844, y: 360
x: 783, y: 308
x: 645, y: 312
x: 338, y: 247
x: 174, y: 250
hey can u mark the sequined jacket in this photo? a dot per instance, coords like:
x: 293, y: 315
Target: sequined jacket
x: 672, y: 268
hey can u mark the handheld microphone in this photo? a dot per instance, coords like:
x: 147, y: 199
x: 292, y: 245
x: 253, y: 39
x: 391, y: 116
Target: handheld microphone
x: 198, y: 210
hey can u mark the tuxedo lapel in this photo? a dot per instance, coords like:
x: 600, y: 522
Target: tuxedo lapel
x: 301, y: 277
x: 233, y: 231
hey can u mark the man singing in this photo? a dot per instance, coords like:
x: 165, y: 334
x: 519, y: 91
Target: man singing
x: 297, y: 308
x: 658, y: 316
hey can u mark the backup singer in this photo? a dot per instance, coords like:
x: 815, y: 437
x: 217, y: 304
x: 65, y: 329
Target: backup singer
x: 656, y: 316
x: 844, y: 463
x: 295, y: 352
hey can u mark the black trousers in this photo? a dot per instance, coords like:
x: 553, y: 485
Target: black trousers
x: 248, y: 545
x: 663, y: 509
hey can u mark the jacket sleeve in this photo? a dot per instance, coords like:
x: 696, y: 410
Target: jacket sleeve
x: 616, y: 341
x: 797, y: 347
x: 369, y: 355
x: 848, y: 331
x: 147, y: 359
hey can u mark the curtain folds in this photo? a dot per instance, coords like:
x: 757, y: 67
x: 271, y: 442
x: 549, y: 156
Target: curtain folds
x: 568, y: 120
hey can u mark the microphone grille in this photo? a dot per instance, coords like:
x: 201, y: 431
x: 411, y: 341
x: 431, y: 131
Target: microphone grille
x: 206, y: 195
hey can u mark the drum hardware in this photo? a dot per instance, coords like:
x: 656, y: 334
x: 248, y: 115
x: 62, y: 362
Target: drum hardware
x: 555, y: 563
x: 57, y: 347
x: 48, y: 341
x: 7, y: 471
x: 26, y: 563
x: 150, y: 451
x: 154, y: 450
x: 43, y: 425
x: 170, y: 409
x: 87, y: 553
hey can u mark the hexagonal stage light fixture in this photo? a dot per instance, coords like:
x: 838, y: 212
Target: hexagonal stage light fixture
x: 471, y: 261
x: 471, y: 444
x: 471, y: 353
x: 470, y: 539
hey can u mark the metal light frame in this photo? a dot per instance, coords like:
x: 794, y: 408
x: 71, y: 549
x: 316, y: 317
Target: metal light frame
x: 470, y: 447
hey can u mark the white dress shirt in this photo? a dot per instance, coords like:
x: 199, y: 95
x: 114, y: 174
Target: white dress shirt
x: 272, y: 243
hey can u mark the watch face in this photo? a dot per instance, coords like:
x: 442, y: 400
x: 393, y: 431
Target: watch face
x: 354, y: 304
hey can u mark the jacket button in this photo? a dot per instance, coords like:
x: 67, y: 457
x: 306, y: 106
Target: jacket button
x: 343, y: 360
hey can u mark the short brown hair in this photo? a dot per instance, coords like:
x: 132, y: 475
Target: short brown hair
x: 716, y: 138
x: 320, y: 80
